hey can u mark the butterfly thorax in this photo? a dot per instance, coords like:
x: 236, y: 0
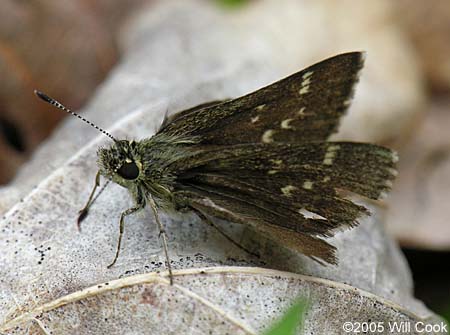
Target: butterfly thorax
x: 145, y: 167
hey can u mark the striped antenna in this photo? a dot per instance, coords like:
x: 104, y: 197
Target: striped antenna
x: 55, y: 103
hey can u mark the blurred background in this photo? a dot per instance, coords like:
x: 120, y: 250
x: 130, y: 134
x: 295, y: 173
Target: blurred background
x: 69, y: 48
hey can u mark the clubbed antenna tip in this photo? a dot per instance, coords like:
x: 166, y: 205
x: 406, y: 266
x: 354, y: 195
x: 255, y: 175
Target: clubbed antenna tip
x: 55, y: 103
x: 43, y: 96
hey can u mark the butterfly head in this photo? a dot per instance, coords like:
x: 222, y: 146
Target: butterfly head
x: 120, y: 162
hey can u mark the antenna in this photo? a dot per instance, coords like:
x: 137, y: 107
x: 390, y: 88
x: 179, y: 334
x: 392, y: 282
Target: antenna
x: 55, y: 103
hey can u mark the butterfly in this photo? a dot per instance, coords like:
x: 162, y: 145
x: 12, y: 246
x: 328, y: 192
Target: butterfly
x: 262, y: 159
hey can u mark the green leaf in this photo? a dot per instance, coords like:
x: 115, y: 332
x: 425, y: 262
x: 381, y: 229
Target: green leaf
x: 291, y: 321
x: 446, y: 314
x: 231, y: 3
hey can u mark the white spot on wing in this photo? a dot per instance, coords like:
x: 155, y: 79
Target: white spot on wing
x: 392, y: 171
x: 267, y: 137
x: 383, y: 195
x: 308, y: 185
x: 328, y: 161
x: 330, y: 154
x: 285, y: 124
x: 347, y: 102
x: 304, y: 90
x: 255, y: 119
x: 287, y: 190
x: 307, y: 75
x: 394, y: 157
x: 276, y: 162
x: 334, y: 147
x: 276, y: 166
x: 208, y: 202
x: 306, y: 80
x: 310, y: 215
x: 260, y: 107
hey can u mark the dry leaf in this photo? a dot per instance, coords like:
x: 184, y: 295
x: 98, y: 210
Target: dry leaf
x: 54, y: 279
x: 419, y: 214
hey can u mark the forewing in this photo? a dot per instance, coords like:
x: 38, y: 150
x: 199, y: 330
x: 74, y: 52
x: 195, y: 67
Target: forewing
x: 171, y: 118
x: 303, y: 107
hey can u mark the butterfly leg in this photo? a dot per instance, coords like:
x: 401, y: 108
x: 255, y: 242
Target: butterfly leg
x: 121, y: 225
x: 163, y: 236
x: 205, y: 219
x: 84, y: 211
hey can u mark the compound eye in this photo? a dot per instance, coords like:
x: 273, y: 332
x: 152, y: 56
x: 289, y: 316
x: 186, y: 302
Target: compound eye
x: 128, y: 171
